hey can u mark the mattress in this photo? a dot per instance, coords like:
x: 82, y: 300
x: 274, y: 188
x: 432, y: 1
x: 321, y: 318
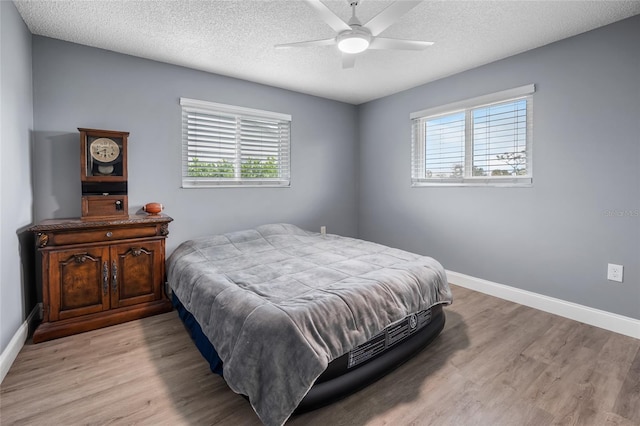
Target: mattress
x: 354, y: 370
x: 279, y: 304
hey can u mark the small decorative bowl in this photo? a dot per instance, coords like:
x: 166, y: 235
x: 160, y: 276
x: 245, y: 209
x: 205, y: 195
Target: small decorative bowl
x: 153, y: 208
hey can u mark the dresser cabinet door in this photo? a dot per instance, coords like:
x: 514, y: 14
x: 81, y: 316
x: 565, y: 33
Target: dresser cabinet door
x: 78, y: 282
x: 137, y: 271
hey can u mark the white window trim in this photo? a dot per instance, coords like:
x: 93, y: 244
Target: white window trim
x: 195, y: 105
x: 464, y: 105
x: 206, y: 106
x: 478, y: 101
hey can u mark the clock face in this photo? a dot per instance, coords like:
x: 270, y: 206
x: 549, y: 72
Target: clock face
x: 103, y: 161
x: 104, y: 150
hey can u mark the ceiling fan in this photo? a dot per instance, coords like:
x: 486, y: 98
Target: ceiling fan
x: 353, y: 37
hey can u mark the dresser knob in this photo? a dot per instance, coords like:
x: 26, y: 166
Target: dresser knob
x: 109, y: 234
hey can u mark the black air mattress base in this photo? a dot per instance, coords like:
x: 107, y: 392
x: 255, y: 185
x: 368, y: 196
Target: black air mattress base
x: 338, y: 380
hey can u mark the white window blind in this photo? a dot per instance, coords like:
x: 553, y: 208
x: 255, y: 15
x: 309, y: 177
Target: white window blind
x: 224, y: 145
x: 500, y: 139
x: 444, y: 150
x: 481, y: 141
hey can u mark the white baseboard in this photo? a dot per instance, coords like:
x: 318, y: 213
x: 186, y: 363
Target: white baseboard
x: 602, y: 319
x: 16, y: 343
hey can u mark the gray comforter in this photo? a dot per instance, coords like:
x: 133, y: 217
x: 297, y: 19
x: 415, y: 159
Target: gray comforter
x: 279, y: 303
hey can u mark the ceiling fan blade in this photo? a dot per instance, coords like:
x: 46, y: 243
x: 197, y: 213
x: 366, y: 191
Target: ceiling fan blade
x: 324, y: 42
x: 348, y: 60
x: 390, y: 15
x: 328, y: 16
x: 381, y: 43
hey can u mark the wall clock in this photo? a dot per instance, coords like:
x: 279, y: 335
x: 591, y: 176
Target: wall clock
x: 103, y: 172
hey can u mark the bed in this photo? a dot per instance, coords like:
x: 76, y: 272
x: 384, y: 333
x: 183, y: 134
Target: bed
x: 294, y: 319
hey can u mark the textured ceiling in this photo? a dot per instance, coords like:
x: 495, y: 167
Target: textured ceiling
x: 236, y: 37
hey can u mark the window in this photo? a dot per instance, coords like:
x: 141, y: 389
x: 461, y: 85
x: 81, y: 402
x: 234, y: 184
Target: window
x: 224, y: 145
x: 481, y: 141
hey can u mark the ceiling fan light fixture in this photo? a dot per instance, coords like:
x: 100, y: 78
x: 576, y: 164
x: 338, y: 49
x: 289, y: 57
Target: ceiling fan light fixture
x: 353, y: 42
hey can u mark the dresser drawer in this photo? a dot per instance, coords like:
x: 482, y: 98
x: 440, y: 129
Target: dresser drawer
x: 92, y: 236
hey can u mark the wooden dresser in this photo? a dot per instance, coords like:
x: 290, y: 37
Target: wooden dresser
x: 97, y: 273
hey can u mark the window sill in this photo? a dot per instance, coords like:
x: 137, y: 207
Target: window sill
x: 196, y: 185
x: 496, y: 182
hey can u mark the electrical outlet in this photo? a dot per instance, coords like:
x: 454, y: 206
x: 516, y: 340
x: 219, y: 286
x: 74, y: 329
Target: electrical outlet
x: 614, y: 272
x: 323, y: 230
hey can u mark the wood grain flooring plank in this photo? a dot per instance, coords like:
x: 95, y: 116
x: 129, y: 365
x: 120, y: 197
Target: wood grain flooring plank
x: 628, y: 401
x: 617, y: 355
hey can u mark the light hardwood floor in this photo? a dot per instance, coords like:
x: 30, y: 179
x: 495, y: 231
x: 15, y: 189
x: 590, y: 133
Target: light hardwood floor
x: 496, y: 363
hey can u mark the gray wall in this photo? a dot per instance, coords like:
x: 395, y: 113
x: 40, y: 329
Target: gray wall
x: 78, y: 86
x: 16, y: 125
x: 556, y: 237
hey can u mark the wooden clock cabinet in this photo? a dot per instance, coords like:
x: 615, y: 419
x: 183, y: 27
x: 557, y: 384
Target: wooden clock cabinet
x: 97, y: 273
